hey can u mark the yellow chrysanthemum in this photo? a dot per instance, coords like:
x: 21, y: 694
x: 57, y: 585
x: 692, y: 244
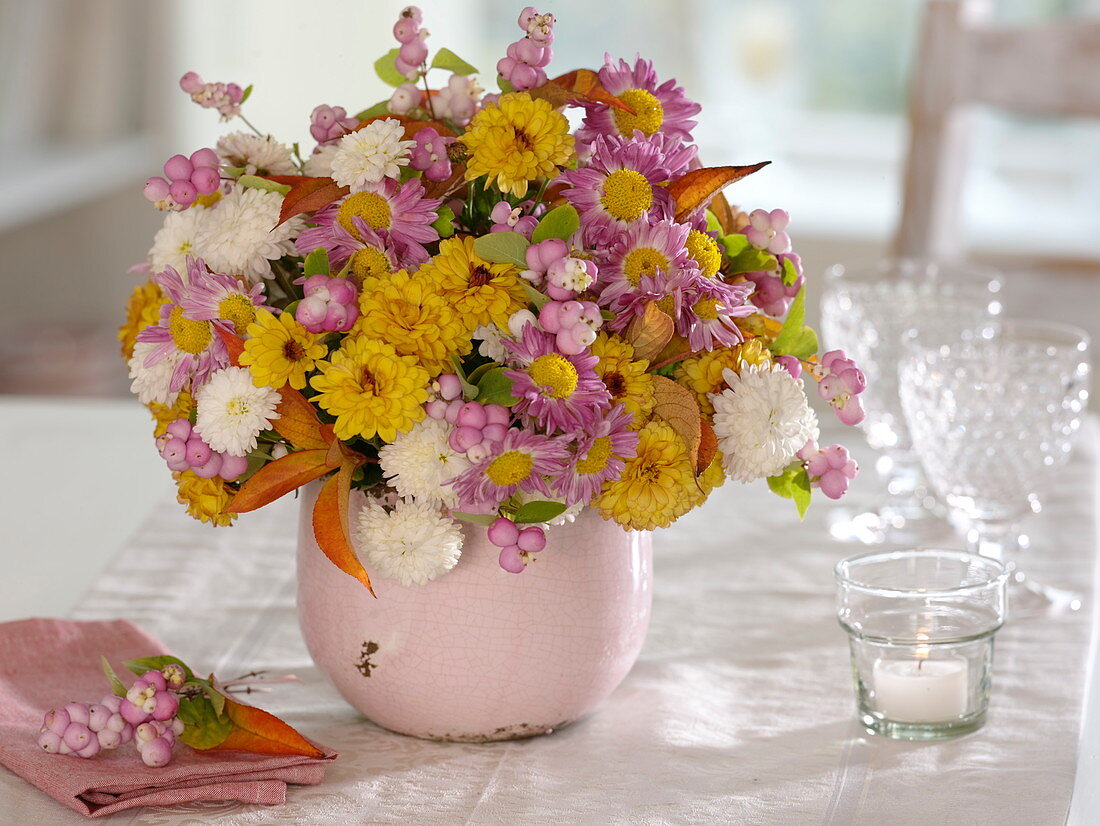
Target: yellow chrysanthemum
x: 407, y: 312
x: 370, y: 389
x: 704, y: 250
x: 478, y: 291
x: 164, y: 414
x: 656, y: 487
x: 516, y: 140
x: 702, y: 373
x: 626, y: 379
x: 280, y: 350
x: 206, y: 499
x: 142, y: 310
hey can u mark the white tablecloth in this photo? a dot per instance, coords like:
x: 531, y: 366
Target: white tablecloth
x: 740, y: 709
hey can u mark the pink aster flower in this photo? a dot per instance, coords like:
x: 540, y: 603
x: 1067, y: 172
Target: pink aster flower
x: 227, y: 301
x: 522, y: 460
x: 598, y: 456
x: 559, y: 392
x: 644, y: 249
x: 707, y: 313
x: 196, y: 344
x: 657, y: 108
x: 397, y: 214
x: 620, y: 186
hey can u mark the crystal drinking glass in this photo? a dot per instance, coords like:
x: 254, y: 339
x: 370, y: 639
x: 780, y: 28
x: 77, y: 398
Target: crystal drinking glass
x: 865, y: 311
x: 992, y: 416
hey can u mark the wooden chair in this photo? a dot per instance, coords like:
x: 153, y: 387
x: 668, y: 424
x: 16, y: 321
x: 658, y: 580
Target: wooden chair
x: 963, y: 60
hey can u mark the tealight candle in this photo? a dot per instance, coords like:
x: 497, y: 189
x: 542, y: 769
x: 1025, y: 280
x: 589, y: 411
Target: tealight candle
x: 920, y: 626
x: 920, y: 690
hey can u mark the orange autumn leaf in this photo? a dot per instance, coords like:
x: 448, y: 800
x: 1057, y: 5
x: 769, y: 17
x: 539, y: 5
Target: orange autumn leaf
x: 233, y: 344
x: 330, y: 524
x: 677, y: 406
x: 727, y: 218
x: 650, y: 332
x: 259, y: 732
x: 708, y: 447
x: 298, y: 422
x: 310, y: 195
x: 279, y: 478
x: 697, y: 187
x: 584, y: 84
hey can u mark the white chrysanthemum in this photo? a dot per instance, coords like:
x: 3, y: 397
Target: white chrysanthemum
x: 153, y: 384
x: 761, y: 420
x: 239, y: 236
x: 231, y: 411
x: 255, y: 155
x: 419, y: 461
x: 490, y: 347
x: 413, y: 543
x: 175, y: 240
x: 367, y: 156
x: 319, y: 164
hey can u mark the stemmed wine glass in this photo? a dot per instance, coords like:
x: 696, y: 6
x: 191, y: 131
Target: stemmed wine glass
x: 865, y: 311
x: 992, y: 413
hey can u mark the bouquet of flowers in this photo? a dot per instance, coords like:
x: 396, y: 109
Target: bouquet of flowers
x: 471, y: 312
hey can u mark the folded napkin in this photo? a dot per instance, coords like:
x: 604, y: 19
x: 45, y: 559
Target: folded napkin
x: 48, y: 662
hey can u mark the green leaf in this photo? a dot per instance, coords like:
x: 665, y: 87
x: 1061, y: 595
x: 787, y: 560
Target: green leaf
x: 735, y: 243
x: 712, y: 223
x: 203, y: 727
x: 750, y: 259
x: 539, y: 299
x: 475, y: 518
x: 317, y: 263
x: 143, y: 664
x: 215, y: 697
x: 254, y: 182
x: 495, y: 388
x: 469, y: 391
x: 794, y: 338
x: 790, y: 272
x: 380, y: 108
x: 117, y: 688
x: 385, y: 69
x: 560, y: 222
x: 233, y: 172
x: 246, y: 95
x: 539, y: 511
x: 505, y: 86
x: 793, y: 483
x: 503, y: 248
x: 444, y: 223
x: 448, y: 61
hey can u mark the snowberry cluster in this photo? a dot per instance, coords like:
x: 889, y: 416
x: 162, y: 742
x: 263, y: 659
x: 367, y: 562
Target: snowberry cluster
x: 331, y: 304
x: 524, y: 61
x: 477, y: 426
x: 507, y: 218
x: 188, y: 178
x: 841, y: 382
x: 146, y: 716
x: 327, y: 124
x: 516, y: 544
x: 768, y: 230
x: 413, y: 51
x: 429, y: 154
x: 574, y: 323
x: 184, y: 449
x: 550, y: 264
x: 831, y: 468
x: 225, y: 97
x: 771, y: 294
x: 458, y: 100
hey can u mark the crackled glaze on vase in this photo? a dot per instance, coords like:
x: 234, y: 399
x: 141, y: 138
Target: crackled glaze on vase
x: 480, y: 654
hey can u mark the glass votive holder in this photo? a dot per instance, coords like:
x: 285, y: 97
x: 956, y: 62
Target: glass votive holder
x: 920, y: 625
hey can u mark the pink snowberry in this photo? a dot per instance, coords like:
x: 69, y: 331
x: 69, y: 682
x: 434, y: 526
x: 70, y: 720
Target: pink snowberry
x: 330, y: 304
x: 523, y: 63
x: 429, y: 154
x: 327, y: 124
x: 404, y: 99
x: 767, y: 230
x: 507, y: 218
x: 449, y: 386
x: 771, y: 294
x: 831, y: 469
x: 840, y: 385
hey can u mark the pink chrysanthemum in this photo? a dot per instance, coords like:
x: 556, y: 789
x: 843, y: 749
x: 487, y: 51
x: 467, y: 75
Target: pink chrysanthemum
x: 707, y: 312
x: 398, y: 215
x: 559, y: 392
x: 642, y: 252
x: 620, y: 186
x: 522, y: 460
x: 196, y: 343
x: 666, y: 288
x: 228, y: 302
x: 598, y: 456
x: 657, y: 108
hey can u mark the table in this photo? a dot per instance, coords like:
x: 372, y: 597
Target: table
x: 739, y: 710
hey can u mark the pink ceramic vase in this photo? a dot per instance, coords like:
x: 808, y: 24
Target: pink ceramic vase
x: 481, y: 654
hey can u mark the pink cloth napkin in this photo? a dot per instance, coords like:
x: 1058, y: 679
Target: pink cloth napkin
x: 48, y: 662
